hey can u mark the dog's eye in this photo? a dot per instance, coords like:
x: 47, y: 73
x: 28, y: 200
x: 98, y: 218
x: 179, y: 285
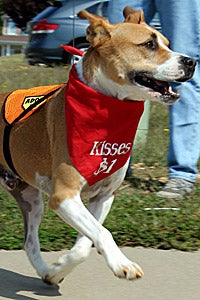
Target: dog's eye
x: 151, y: 45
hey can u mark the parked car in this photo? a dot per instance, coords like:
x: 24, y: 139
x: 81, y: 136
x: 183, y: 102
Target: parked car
x: 58, y: 24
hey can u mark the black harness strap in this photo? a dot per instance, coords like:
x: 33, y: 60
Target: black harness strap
x: 6, y: 148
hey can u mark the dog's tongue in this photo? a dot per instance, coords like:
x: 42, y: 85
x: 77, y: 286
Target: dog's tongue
x: 162, y: 84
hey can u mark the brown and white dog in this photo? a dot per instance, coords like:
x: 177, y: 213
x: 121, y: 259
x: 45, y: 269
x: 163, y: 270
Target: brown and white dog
x: 129, y: 61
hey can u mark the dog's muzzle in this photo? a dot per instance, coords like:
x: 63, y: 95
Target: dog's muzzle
x: 187, y: 64
x: 160, y: 85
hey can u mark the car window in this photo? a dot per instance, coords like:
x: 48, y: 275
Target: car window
x: 98, y: 9
x: 45, y: 13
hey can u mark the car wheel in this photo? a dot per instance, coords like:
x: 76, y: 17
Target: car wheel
x: 71, y: 59
x: 31, y: 63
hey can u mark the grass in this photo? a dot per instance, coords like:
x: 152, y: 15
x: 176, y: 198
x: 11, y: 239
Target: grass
x: 129, y: 220
x: 17, y: 74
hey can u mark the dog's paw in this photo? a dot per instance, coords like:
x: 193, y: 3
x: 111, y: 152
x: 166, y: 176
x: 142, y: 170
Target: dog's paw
x: 54, y: 275
x: 122, y: 267
x: 51, y: 280
x: 130, y: 271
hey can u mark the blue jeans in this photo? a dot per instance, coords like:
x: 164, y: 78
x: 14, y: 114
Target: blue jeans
x: 180, y: 21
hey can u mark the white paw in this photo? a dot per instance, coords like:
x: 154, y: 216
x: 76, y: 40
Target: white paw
x: 129, y: 271
x: 54, y: 275
x: 122, y: 267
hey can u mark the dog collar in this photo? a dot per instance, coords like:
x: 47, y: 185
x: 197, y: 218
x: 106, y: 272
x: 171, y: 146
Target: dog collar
x: 100, y: 129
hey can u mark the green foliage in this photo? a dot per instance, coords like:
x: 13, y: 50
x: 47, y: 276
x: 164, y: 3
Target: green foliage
x: 1, y: 8
x: 155, y: 150
x: 132, y: 224
x: 16, y: 74
x: 129, y: 221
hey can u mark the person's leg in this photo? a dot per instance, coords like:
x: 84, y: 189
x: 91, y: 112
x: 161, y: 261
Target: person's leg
x: 115, y: 15
x: 115, y: 9
x: 184, y: 147
x: 180, y: 22
x: 149, y: 8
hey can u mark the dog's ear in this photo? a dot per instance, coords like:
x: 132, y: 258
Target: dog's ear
x: 99, y: 29
x: 133, y: 16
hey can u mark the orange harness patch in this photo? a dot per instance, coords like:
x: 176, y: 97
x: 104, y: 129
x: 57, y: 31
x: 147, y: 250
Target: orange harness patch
x: 20, y: 104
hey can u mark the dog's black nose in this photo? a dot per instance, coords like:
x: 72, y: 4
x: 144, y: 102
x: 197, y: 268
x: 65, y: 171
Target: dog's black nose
x: 187, y: 65
x: 188, y: 61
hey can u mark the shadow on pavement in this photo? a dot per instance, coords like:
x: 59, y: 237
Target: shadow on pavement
x: 12, y: 284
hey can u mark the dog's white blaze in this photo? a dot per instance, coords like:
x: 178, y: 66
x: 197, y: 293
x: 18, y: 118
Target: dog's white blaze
x: 162, y: 44
x: 169, y: 70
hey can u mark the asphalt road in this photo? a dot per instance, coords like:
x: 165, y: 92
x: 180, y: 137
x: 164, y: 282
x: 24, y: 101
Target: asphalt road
x: 169, y: 275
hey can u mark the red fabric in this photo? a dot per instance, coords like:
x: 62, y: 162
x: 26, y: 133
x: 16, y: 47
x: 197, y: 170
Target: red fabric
x: 72, y: 50
x: 100, y: 129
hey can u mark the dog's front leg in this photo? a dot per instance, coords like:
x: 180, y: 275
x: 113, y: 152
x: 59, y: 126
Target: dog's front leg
x: 73, y: 212
x: 99, y: 206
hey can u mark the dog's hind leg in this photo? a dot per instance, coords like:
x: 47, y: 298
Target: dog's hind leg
x: 99, y: 206
x: 31, y: 205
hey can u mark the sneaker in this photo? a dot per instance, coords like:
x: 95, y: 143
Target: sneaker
x: 176, y: 188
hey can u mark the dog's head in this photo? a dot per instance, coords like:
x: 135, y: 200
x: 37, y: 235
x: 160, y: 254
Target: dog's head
x: 131, y: 60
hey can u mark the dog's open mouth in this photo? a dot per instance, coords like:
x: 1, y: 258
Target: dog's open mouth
x: 162, y: 88
x: 156, y: 85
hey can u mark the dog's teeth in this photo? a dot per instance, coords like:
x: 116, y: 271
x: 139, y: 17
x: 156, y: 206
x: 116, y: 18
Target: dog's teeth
x: 145, y: 78
x: 170, y: 89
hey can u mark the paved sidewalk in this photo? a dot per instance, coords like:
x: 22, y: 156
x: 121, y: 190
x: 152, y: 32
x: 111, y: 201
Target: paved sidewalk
x: 169, y: 275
